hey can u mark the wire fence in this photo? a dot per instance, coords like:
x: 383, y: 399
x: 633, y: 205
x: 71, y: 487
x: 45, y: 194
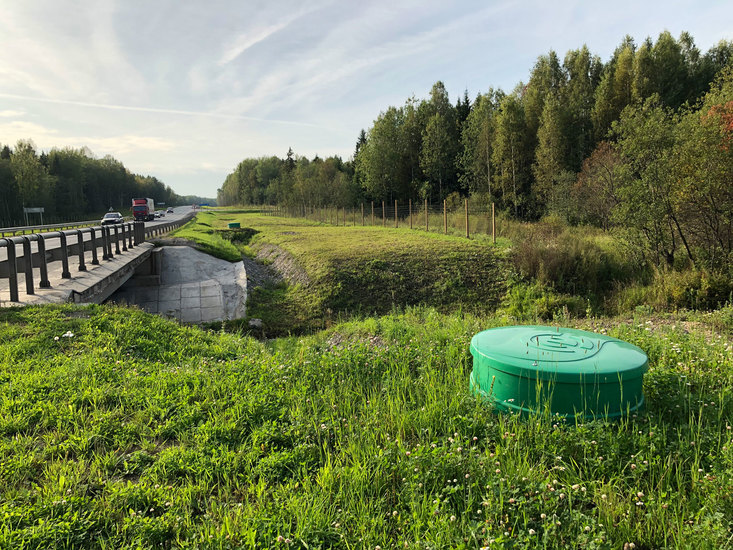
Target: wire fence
x: 468, y: 218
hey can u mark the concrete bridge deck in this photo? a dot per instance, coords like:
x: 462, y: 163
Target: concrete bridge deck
x: 87, y: 274
x: 94, y: 285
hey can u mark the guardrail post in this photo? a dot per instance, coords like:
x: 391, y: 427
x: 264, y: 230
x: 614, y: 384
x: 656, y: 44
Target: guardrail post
x: 129, y: 235
x: 65, y: 273
x: 28, y: 264
x: 12, y: 270
x: 105, y: 253
x: 95, y: 260
x: 139, y: 228
x: 108, y: 232
x: 117, y: 240
x: 80, y: 242
x: 124, y: 239
x: 44, y: 282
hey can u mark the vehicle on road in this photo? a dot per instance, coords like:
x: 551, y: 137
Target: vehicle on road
x: 170, y: 210
x: 112, y: 218
x: 143, y: 210
x: 157, y: 214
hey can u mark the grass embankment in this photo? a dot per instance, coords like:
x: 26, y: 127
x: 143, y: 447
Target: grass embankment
x: 207, y: 239
x: 124, y: 430
x: 356, y: 270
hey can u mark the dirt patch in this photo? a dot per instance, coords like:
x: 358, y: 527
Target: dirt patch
x: 282, y: 263
x: 259, y: 274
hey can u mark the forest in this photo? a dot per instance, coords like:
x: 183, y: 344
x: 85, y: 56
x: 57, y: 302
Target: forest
x: 641, y: 142
x: 70, y: 184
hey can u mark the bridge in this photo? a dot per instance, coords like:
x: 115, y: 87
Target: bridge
x: 82, y: 265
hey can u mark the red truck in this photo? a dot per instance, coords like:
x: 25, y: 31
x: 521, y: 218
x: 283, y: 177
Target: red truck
x: 143, y: 210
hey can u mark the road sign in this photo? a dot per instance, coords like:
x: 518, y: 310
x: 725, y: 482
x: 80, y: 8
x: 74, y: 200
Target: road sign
x: 33, y: 210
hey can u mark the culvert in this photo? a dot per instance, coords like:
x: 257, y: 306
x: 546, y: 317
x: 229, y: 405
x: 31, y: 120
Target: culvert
x: 188, y: 285
x: 570, y: 372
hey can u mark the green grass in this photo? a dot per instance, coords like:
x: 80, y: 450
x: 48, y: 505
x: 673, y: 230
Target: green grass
x: 361, y: 271
x: 120, y: 429
x: 208, y: 240
x: 136, y: 432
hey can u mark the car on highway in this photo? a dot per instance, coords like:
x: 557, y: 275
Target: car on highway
x: 158, y: 213
x: 170, y: 210
x: 112, y: 218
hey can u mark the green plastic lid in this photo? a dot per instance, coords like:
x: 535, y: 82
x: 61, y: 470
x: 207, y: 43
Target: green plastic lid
x: 559, y: 354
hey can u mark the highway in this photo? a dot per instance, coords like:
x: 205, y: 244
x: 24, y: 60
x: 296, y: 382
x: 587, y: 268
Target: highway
x: 178, y: 213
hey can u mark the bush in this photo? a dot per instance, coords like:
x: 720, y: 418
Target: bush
x: 529, y: 302
x: 571, y: 262
x: 688, y: 289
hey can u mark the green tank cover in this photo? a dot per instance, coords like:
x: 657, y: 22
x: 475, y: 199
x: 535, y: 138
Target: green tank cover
x: 573, y: 372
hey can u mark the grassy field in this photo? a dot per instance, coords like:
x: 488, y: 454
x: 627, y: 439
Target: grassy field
x: 124, y: 430
x: 120, y: 429
x: 357, y: 270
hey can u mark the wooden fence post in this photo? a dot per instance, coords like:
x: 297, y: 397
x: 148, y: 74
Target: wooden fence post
x: 466, y: 205
x: 493, y: 224
x: 395, y: 213
x: 445, y: 217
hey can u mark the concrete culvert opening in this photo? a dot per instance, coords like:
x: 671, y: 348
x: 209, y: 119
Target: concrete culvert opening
x: 574, y: 373
x: 190, y: 286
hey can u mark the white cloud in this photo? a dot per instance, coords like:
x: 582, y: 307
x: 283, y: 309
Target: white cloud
x: 347, y: 52
x: 261, y: 32
x: 47, y: 138
x: 128, y: 143
x: 50, y: 52
x: 188, y: 89
x: 155, y: 110
x: 245, y: 41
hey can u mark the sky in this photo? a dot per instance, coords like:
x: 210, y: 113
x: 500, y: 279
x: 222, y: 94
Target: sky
x: 184, y: 91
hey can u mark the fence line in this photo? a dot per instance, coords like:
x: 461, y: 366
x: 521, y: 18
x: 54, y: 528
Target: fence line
x: 465, y: 218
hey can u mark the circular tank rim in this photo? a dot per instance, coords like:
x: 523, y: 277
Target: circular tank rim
x: 612, y: 359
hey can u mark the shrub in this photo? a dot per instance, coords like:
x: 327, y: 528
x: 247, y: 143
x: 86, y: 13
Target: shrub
x: 529, y: 302
x: 688, y: 289
x: 573, y: 263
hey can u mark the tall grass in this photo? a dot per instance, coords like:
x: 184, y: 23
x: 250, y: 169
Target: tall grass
x: 131, y: 431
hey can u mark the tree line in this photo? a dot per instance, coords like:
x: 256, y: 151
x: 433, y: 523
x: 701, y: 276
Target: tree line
x: 639, y: 141
x: 70, y: 184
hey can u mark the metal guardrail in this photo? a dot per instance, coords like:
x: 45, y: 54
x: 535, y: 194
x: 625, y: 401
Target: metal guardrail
x: 121, y: 236
x: 36, y: 228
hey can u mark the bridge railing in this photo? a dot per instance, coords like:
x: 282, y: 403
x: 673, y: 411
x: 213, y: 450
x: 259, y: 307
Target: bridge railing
x: 22, y: 230
x: 103, y: 241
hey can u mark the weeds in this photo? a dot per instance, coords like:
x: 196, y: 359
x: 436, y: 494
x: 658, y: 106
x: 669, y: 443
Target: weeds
x: 137, y: 432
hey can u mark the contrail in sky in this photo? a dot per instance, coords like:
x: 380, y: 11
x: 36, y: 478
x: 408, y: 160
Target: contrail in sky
x: 154, y: 110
